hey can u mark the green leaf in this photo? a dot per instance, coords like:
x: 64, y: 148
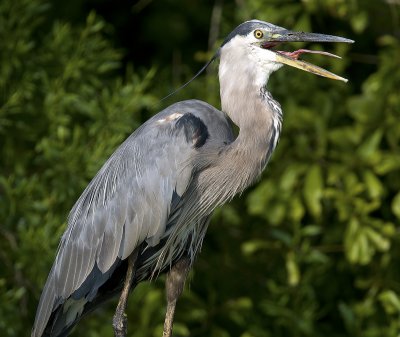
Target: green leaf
x: 351, y: 249
x: 313, y: 188
x: 396, y: 205
x: 250, y: 247
x: 258, y: 200
x: 374, y: 185
x: 311, y: 230
x: 292, y: 269
x: 297, y: 209
x: 348, y: 316
x: 382, y: 244
x: 390, y: 301
x: 369, y: 148
x: 359, y: 22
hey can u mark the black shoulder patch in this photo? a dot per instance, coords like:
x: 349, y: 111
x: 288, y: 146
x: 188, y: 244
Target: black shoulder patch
x: 196, y: 131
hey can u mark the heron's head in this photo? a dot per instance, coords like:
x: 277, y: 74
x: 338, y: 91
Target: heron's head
x: 254, y: 45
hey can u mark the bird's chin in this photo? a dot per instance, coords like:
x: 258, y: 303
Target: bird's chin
x: 274, y: 66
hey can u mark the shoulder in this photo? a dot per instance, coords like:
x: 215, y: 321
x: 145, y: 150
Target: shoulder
x: 198, y: 120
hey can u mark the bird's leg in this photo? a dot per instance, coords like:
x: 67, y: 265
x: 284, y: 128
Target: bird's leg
x: 120, y: 319
x: 174, y: 286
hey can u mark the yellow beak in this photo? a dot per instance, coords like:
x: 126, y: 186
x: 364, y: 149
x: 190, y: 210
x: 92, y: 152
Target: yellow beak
x: 281, y: 58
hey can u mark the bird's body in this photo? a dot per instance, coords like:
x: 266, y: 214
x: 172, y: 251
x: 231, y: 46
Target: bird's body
x: 172, y: 189
x: 152, y: 200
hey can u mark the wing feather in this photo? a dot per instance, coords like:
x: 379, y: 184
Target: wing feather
x: 128, y: 202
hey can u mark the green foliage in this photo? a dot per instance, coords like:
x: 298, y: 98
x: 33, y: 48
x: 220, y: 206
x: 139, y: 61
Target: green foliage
x: 61, y: 97
x: 311, y: 250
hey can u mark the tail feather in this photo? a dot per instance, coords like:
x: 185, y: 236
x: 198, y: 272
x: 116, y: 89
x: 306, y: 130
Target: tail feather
x: 56, y: 317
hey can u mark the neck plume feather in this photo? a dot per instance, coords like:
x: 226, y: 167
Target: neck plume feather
x: 259, y: 117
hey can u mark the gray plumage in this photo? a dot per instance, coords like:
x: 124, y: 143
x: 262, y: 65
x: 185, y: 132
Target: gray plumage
x: 129, y: 201
x: 156, y: 193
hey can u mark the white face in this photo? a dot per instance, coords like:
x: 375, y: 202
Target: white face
x: 246, y: 53
x: 265, y: 58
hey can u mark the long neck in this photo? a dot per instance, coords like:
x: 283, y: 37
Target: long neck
x: 252, y: 108
x: 232, y: 168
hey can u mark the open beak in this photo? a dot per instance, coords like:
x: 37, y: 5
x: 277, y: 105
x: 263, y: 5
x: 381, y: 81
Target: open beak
x: 292, y: 58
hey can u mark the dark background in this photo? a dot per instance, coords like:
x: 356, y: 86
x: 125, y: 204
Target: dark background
x: 311, y: 250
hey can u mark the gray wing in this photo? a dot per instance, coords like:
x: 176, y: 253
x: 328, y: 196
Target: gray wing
x: 129, y: 201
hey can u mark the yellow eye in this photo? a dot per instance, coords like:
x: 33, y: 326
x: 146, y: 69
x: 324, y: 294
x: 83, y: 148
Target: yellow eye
x: 258, y: 34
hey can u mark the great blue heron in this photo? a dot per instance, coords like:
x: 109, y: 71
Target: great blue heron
x: 147, y: 210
